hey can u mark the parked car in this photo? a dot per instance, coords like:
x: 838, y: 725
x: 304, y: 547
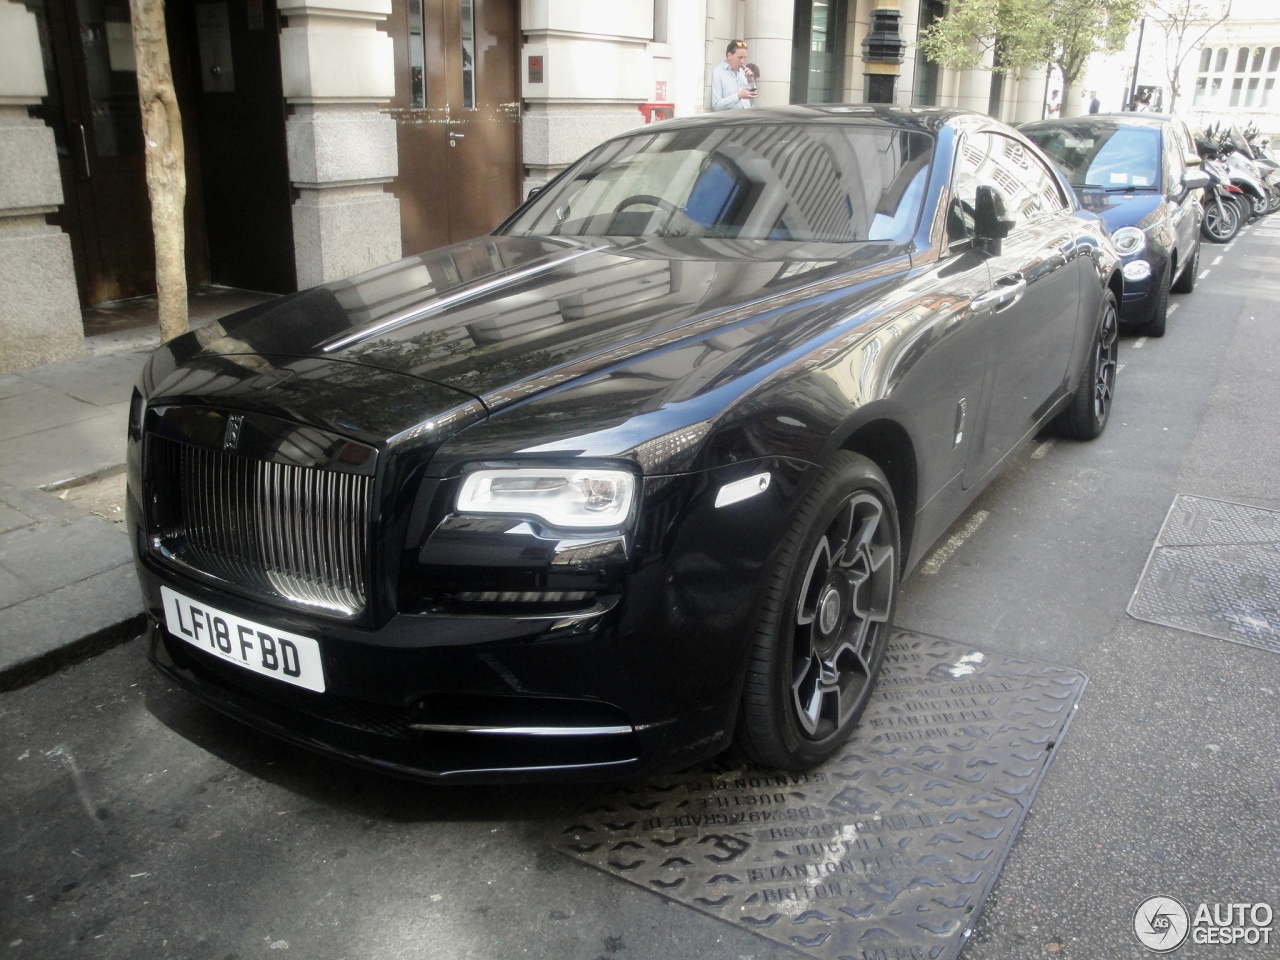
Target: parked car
x: 637, y: 475
x: 1139, y: 173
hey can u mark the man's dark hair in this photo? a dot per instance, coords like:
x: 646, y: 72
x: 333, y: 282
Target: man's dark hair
x: 734, y: 45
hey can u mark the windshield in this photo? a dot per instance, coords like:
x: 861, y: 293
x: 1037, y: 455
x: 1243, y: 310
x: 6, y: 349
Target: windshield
x: 1097, y: 156
x: 763, y: 181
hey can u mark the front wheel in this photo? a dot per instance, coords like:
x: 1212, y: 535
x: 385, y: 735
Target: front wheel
x: 1186, y: 281
x: 1086, y: 418
x: 826, y: 610
x: 1222, y: 220
x: 1154, y: 327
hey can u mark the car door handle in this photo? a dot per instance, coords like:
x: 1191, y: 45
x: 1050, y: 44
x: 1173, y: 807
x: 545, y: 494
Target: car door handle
x: 1008, y: 291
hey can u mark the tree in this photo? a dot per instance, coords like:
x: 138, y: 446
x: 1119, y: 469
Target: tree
x: 1185, y: 24
x: 1030, y: 33
x: 166, y: 158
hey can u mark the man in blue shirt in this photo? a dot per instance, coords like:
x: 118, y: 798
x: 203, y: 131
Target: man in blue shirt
x: 731, y: 87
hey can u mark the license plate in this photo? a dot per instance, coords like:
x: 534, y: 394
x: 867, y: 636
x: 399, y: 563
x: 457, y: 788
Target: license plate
x: 254, y: 646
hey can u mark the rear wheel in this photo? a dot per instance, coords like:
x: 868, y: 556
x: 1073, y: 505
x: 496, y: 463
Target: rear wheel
x: 826, y: 610
x: 1086, y: 418
x: 1186, y: 281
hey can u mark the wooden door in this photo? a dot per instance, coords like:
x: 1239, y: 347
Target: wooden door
x: 457, y: 111
x: 99, y: 134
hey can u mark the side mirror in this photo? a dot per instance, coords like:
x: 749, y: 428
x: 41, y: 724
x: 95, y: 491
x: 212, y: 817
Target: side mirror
x: 991, y: 221
x: 535, y: 191
x: 1195, y: 180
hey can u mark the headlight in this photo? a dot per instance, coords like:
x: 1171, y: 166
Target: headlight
x: 1137, y: 270
x: 560, y: 497
x: 1129, y: 240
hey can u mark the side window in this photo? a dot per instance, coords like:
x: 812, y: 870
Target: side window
x: 1030, y: 191
x: 972, y: 156
x: 1173, y: 161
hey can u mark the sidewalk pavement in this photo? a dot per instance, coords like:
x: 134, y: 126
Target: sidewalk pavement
x: 67, y: 585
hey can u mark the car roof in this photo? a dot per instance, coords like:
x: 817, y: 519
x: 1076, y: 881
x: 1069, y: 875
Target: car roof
x: 1155, y: 121
x: 925, y: 119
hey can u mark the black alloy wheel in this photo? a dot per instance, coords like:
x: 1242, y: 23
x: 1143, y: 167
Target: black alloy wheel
x: 825, y: 618
x: 1186, y: 281
x: 1223, y: 218
x: 1090, y: 407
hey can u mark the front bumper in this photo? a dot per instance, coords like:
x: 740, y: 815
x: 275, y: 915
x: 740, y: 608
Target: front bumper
x: 649, y: 685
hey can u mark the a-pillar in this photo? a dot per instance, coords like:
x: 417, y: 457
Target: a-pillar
x: 338, y: 69
x: 585, y: 69
x: 39, y: 308
x: 769, y: 27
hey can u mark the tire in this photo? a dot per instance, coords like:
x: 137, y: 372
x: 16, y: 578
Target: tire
x: 826, y: 611
x: 1273, y: 200
x: 1186, y: 281
x: 1090, y: 408
x: 1258, y: 206
x: 1223, y: 218
x: 1154, y: 327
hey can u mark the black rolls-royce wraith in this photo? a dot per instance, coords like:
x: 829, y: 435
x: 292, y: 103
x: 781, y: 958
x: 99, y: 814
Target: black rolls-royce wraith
x: 637, y: 476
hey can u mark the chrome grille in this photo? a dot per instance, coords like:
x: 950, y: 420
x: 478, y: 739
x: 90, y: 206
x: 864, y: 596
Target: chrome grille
x: 295, y: 533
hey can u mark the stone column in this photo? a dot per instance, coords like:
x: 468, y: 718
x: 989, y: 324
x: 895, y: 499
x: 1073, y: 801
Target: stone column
x: 338, y: 70
x: 39, y: 307
x: 596, y: 70
x: 769, y: 27
x: 883, y: 51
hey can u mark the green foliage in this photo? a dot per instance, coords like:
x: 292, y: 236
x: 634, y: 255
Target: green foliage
x: 1029, y: 33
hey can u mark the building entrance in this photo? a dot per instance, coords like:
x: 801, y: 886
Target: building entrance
x: 457, y: 112
x: 92, y: 107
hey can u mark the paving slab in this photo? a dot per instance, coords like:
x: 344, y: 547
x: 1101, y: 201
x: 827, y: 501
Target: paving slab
x: 97, y: 380
x: 66, y: 452
x: 40, y: 409
x: 48, y: 556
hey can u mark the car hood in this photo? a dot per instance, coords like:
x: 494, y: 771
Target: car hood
x: 501, y: 318
x: 1120, y: 209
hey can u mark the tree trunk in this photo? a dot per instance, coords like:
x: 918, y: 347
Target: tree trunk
x: 166, y: 171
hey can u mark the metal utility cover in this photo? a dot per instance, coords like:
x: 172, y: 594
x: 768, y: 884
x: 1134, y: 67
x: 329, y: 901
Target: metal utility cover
x: 887, y: 851
x: 1215, y: 571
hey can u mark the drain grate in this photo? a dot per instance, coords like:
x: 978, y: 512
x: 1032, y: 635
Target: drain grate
x: 1215, y: 571
x: 888, y: 850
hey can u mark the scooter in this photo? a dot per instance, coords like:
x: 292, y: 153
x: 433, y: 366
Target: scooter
x: 1224, y: 205
x: 1225, y: 209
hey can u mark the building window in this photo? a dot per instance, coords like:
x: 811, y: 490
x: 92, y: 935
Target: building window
x: 1248, y: 88
x: 817, y: 53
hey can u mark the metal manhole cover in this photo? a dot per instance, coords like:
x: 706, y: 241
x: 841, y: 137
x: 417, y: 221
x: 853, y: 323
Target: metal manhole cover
x: 1215, y: 570
x: 890, y: 849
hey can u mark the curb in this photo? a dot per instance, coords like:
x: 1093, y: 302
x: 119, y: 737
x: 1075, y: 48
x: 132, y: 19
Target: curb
x: 37, y: 668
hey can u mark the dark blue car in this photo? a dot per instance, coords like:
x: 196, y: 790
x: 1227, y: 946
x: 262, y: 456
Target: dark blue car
x: 1137, y: 171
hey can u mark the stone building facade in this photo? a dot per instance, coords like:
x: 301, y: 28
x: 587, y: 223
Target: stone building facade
x: 325, y: 137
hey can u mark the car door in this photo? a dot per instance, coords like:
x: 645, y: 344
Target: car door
x: 1184, y: 205
x: 1036, y: 278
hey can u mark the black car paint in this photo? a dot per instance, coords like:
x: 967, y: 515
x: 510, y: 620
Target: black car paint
x: 1170, y: 218
x: 766, y: 356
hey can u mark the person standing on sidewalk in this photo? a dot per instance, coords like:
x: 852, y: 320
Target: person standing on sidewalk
x: 730, y: 85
